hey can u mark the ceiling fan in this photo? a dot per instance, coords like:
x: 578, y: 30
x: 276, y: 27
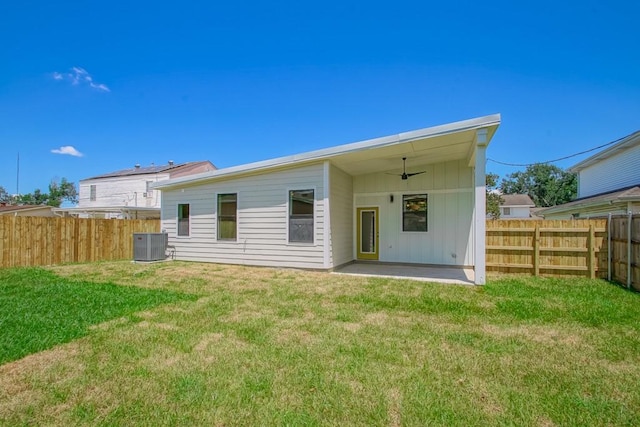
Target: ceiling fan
x: 404, y: 175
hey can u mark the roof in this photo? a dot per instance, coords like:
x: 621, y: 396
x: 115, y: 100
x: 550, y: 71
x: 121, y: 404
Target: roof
x: 623, y: 143
x: 145, y: 170
x: 516, y: 200
x: 429, y: 145
x: 629, y: 194
x: 15, y: 208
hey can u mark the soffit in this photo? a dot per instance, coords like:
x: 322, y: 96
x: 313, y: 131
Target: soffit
x: 418, y: 152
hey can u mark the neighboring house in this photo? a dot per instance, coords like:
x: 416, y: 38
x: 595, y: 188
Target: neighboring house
x: 516, y: 206
x: 327, y: 208
x: 127, y: 193
x: 26, y: 210
x: 608, y: 182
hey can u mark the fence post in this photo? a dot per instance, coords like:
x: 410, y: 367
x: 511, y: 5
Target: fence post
x: 592, y: 252
x: 629, y: 222
x: 609, y: 248
x: 536, y: 251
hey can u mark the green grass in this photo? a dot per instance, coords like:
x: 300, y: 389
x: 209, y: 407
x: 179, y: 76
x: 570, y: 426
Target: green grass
x: 40, y: 310
x: 283, y: 347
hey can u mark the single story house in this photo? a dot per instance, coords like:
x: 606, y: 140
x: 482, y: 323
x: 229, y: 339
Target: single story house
x: 416, y: 197
x: 26, y: 210
x: 516, y: 206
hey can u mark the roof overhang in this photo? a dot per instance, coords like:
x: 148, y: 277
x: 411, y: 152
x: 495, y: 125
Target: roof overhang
x: 610, y: 199
x: 24, y: 208
x: 453, y: 141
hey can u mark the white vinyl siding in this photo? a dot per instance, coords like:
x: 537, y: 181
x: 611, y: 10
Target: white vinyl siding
x: 342, y: 215
x: 120, y: 191
x: 261, y: 220
x: 450, y: 213
x: 618, y: 171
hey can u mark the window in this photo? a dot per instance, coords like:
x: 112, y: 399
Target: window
x: 92, y: 193
x: 506, y: 211
x: 414, y: 212
x: 183, y: 220
x: 227, y: 216
x: 148, y: 192
x: 301, y: 216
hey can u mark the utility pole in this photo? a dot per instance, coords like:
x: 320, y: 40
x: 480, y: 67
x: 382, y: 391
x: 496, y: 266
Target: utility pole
x: 18, y: 176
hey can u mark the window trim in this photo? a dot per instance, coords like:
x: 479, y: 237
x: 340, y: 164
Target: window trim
x: 217, y: 217
x: 315, y: 215
x: 402, y: 212
x: 178, y: 235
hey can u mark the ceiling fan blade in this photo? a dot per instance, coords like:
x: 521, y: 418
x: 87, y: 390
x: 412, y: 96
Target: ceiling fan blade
x: 415, y: 173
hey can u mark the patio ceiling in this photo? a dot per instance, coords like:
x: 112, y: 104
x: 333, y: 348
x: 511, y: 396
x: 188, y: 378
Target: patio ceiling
x: 421, y: 151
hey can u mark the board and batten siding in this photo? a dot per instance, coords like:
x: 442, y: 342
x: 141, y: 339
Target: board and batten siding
x: 618, y: 171
x: 262, y: 220
x: 449, y: 238
x: 342, y: 236
x: 121, y: 191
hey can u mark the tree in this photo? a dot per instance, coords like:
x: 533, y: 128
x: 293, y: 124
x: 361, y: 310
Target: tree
x: 547, y: 185
x: 493, y: 198
x: 58, y: 193
x: 4, y: 196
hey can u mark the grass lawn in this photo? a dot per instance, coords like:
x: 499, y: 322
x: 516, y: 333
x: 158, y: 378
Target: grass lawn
x: 260, y: 346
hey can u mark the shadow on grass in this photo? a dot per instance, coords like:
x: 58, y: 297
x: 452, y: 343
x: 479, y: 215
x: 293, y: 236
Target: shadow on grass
x: 39, y: 310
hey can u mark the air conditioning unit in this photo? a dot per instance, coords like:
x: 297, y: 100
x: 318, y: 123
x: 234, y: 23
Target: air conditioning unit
x: 150, y: 246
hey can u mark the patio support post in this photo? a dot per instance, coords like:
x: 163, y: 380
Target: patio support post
x: 480, y: 210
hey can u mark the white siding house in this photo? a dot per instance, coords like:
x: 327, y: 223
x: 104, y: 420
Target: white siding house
x: 327, y: 208
x: 608, y: 182
x: 516, y: 206
x: 128, y: 193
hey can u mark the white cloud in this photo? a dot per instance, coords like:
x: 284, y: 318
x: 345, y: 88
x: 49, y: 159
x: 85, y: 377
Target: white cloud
x: 67, y: 149
x: 78, y: 75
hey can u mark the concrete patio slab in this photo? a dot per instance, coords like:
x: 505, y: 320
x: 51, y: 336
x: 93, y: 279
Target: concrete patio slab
x: 461, y: 276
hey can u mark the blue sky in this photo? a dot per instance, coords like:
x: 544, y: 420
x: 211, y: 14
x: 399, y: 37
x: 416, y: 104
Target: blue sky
x: 146, y: 82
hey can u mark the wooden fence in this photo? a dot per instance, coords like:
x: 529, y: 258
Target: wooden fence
x: 625, y: 250
x: 548, y: 247
x: 31, y: 241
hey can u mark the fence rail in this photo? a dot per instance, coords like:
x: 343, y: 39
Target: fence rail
x: 548, y: 247
x: 32, y: 241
